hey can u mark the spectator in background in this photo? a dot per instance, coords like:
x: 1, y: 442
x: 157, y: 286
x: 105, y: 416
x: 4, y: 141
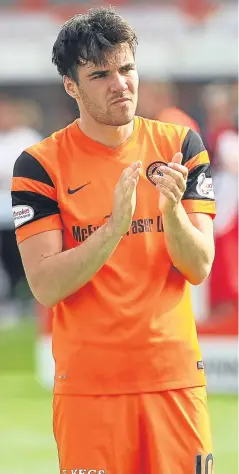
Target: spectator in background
x: 198, y: 10
x: 220, y: 114
x: 179, y: 117
x: 16, y: 134
x: 154, y: 97
x: 224, y: 278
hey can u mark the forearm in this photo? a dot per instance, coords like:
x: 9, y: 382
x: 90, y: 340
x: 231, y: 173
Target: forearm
x: 62, y: 274
x: 187, y: 246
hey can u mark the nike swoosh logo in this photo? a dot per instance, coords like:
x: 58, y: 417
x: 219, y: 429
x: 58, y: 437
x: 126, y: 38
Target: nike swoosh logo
x: 73, y: 191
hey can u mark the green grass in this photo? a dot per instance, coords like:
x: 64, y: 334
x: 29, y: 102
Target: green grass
x: 224, y: 416
x: 17, y: 348
x: 27, y: 445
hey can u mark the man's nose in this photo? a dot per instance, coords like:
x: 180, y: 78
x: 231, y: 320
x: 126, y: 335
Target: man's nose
x: 119, y: 83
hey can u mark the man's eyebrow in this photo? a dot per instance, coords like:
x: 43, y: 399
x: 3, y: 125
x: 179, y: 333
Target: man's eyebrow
x: 128, y: 65
x: 106, y: 71
x: 96, y: 73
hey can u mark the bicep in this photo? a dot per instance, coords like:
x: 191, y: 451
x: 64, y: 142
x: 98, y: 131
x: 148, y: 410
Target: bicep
x: 36, y: 213
x: 38, y: 247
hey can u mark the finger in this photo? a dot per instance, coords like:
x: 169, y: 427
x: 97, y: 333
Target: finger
x: 177, y: 158
x: 180, y: 168
x: 136, y: 164
x: 167, y: 193
x: 131, y: 188
x: 171, y: 186
x: 175, y: 176
x: 130, y: 180
x: 128, y: 171
x: 134, y: 175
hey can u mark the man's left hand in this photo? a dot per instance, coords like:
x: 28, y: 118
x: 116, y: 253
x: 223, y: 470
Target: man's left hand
x: 172, y: 185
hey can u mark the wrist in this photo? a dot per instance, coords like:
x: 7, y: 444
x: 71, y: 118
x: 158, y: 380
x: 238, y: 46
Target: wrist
x: 111, y: 229
x: 174, y: 212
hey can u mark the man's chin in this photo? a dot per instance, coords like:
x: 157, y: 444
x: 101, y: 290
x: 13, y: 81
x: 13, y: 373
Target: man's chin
x: 120, y: 120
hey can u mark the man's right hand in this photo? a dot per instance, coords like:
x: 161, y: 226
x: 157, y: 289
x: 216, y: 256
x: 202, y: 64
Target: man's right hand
x: 125, y: 199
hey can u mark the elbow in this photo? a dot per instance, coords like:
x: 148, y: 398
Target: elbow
x: 43, y: 299
x: 203, y: 269
x: 45, y: 302
x: 43, y: 295
x: 200, y: 275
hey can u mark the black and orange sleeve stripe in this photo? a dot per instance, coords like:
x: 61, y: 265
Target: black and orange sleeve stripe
x: 199, y: 195
x: 35, y: 206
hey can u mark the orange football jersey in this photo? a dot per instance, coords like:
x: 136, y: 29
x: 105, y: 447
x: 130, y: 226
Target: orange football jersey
x: 131, y: 328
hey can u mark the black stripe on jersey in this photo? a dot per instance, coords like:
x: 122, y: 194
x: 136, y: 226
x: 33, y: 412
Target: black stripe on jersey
x: 27, y: 166
x: 43, y: 206
x: 196, y: 177
x: 192, y: 146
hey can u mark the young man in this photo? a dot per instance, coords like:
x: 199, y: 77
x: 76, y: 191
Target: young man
x: 114, y: 221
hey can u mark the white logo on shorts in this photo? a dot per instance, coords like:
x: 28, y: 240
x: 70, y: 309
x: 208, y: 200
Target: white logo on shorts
x: 22, y: 214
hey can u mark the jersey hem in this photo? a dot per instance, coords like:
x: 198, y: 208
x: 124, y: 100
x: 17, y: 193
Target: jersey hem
x: 156, y: 387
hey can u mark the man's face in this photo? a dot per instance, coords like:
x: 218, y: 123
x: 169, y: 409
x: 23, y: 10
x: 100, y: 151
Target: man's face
x: 109, y: 93
x: 9, y: 115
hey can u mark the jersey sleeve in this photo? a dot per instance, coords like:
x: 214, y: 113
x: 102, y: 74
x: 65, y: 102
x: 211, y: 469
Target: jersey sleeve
x: 34, y: 201
x: 199, y: 195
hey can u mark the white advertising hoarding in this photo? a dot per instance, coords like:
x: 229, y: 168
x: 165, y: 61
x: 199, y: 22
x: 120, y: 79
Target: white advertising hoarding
x: 220, y: 356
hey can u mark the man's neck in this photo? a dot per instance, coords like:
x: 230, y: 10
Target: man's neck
x: 107, y: 135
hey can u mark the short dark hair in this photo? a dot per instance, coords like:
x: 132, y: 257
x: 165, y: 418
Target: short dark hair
x: 88, y: 38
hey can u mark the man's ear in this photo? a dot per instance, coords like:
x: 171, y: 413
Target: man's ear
x: 70, y: 87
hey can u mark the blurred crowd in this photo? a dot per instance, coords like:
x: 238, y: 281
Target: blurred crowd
x: 26, y: 116
x: 18, y: 130
x: 187, y: 5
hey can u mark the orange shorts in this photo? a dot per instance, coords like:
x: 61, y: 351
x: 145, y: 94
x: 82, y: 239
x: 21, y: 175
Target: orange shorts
x: 152, y: 433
